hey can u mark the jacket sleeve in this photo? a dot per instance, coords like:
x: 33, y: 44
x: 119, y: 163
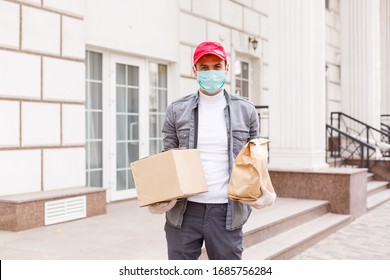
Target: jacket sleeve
x: 254, y: 125
x: 170, y: 140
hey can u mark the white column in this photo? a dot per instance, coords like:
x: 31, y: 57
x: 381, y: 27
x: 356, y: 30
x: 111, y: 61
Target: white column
x: 360, y: 60
x: 385, y: 56
x: 297, y: 103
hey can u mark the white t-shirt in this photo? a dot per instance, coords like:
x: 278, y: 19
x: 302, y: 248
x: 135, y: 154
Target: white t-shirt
x: 213, y: 148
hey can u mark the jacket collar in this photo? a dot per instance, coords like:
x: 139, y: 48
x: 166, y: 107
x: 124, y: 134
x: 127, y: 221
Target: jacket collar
x: 227, y: 96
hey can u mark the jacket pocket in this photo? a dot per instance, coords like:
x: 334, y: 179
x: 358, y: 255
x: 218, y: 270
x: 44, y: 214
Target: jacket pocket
x: 184, y: 136
x: 240, y: 138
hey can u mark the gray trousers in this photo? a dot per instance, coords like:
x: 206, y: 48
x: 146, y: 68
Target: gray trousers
x: 204, y: 223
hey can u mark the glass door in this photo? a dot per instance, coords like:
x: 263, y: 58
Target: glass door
x: 127, y: 117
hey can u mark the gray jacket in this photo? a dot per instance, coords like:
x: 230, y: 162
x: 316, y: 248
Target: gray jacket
x: 180, y: 131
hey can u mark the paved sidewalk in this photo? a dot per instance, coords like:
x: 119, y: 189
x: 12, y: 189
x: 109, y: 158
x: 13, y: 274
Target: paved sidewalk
x: 366, y: 238
x: 125, y: 232
x: 132, y: 233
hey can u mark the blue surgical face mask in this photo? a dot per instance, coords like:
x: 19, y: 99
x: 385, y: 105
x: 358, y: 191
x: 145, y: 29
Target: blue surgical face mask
x: 211, y: 81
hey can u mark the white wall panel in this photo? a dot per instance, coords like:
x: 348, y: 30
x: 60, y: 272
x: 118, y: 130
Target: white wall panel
x: 20, y: 75
x: 247, y: 3
x: 188, y: 86
x: 206, y: 8
x: 73, y: 124
x: 192, y: 29
x: 145, y: 28
x: 219, y: 33
x: 263, y: 6
x: 63, y: 80
x: 41, y: 31
x: 231, y: 14
x: 33, y: 2
x: 185, y: 5
x: 9, y: 123
x: 185, y: 60
x: 74, y: 7
x: 20, y: 171
x: 251, y: 21
x: 73, y: 38
x: 9, y: 21
x: 40, y: 124
x: 265, y: 29
x: 63, y: 168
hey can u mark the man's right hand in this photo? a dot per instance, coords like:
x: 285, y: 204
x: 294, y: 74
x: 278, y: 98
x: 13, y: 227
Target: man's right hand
x: 161, y: 207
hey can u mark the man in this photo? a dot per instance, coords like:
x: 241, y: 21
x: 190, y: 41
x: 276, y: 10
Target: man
x: 218, y: 125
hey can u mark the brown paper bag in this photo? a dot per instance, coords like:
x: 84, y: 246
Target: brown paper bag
x: 250, y: 173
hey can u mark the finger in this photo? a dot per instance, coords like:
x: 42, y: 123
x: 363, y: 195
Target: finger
x: 172, y: 203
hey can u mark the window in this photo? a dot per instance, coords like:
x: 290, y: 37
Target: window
x: 158, y: 89
x: 127, y: 123
x: 241, y: 71
x: 94, y: 119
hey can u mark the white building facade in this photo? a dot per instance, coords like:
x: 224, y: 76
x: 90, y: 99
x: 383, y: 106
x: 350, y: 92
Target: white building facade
x: 84, y: 84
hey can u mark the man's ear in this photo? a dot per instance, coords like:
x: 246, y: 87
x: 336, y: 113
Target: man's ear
x: 194, y: 70
x: 227, y: 67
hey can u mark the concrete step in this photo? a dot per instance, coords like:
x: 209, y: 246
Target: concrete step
x: 334, y: 161
x: 376, y: 186
x: 289, y: 243
x: 337, y: 161
x: 377, y: 199
x: 283, y: 215
x: 370, y: 177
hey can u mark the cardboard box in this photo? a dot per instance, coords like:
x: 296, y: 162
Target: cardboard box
x: 168, y: 175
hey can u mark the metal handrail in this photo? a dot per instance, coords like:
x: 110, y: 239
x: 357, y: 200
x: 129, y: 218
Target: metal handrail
x: 382, y: 142
x: 385, y: 126
x: 350, y: 137
x: 263, y: 115
x: 364, y: 157
x: 355, y: 120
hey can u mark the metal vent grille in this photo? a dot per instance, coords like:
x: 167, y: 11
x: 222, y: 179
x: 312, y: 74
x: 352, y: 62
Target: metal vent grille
x: 63, y: 210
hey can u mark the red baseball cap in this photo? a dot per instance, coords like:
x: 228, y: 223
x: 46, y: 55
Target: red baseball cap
x: 209, y: 48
